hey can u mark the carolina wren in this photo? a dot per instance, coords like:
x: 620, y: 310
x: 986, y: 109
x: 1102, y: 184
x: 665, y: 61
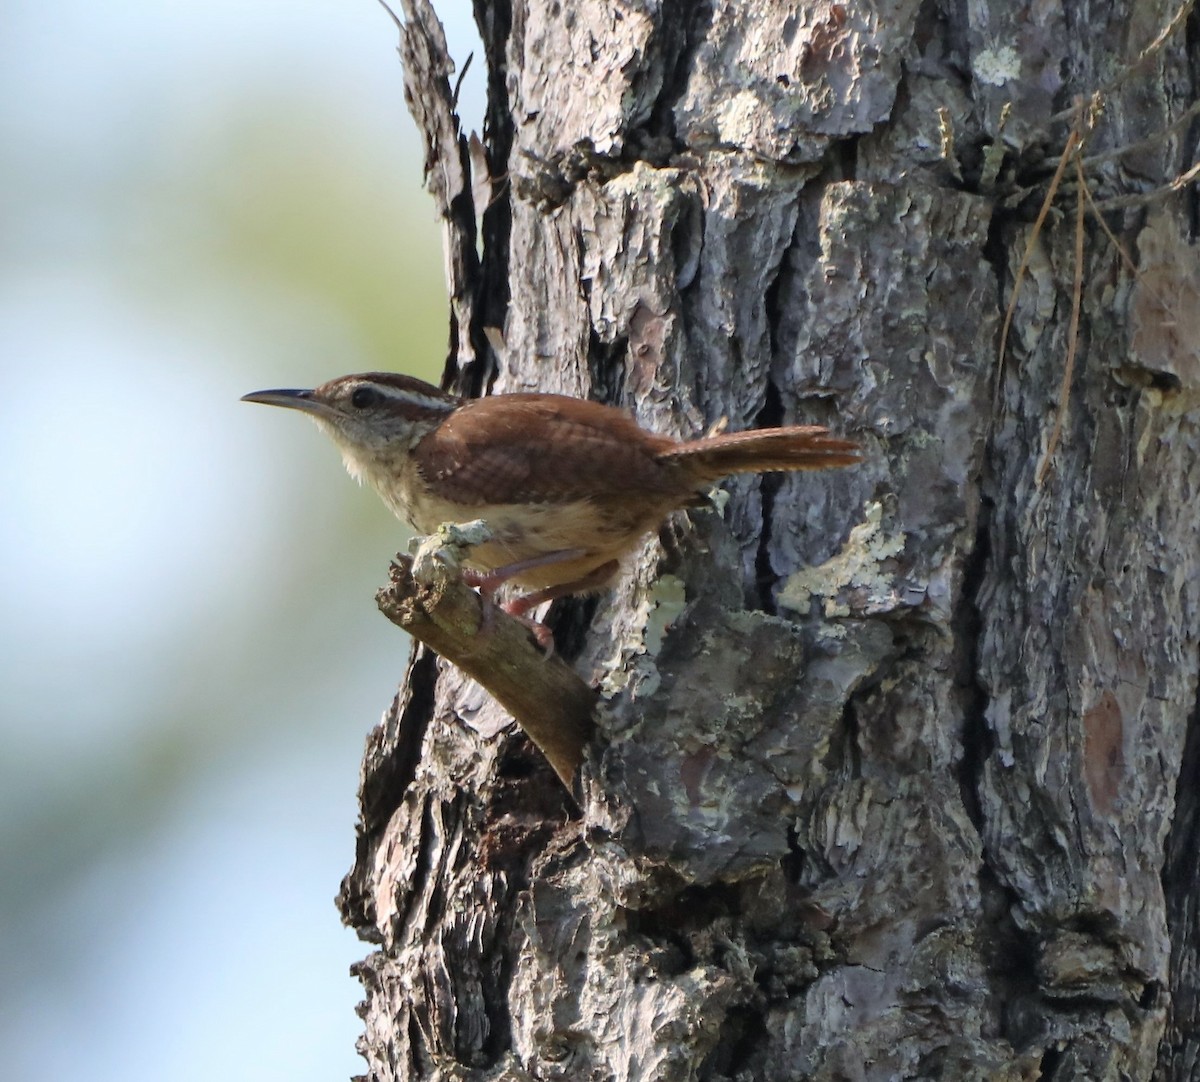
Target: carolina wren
x: 567, y: 487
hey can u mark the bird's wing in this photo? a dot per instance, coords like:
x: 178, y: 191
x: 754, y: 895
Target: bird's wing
x: 541, y: 448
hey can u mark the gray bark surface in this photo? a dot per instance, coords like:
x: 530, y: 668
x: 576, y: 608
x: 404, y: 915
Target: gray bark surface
x: 896, y: 767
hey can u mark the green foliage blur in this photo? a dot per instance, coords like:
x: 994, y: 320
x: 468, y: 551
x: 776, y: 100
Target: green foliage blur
x: 190, y: 655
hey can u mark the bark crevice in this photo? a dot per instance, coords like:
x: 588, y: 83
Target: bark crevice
x: 390, y: 761
x: 978, y: 740
x: 766, y: 578
x: 1179, y: 1055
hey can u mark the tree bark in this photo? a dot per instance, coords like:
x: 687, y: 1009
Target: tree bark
x: 895, y: 768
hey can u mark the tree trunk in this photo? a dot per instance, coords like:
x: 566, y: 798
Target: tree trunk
x: 884, y: 781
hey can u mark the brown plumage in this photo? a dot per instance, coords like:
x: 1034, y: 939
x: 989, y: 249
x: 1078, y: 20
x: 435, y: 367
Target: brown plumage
x: 501, y: 448
x: 568, y: 486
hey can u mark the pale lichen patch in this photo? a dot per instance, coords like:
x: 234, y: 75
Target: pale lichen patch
x: 859, y: 566
x: 998, y: 65
x: 739, y: 118
x: 665, y: 603
x: 651, y: 615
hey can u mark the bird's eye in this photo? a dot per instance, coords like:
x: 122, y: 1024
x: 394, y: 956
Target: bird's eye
x: 363, y: 398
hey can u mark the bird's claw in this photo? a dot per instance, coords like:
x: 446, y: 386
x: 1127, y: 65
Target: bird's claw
x: 445, y: 548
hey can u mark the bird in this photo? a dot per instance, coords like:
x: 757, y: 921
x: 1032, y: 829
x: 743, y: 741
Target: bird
x: 568, y: 487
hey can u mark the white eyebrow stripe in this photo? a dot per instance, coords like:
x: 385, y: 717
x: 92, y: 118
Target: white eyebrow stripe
x: 410, y: 397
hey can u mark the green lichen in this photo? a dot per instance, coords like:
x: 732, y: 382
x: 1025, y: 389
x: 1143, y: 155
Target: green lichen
x: 859, y: 566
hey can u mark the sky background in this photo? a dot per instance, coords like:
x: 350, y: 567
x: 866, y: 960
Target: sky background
x: 196, y: 201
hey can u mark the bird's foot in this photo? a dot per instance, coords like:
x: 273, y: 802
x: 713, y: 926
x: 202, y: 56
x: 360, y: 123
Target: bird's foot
x: 447, y: 547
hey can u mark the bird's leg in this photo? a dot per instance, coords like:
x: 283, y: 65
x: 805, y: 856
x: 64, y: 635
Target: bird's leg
x: 488, y: 582
x: 593, y: 580
x: 454, y: 542
x: 520, y: 606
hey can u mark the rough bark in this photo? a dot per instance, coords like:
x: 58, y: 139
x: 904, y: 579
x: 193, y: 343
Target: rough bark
x: 895, y: 774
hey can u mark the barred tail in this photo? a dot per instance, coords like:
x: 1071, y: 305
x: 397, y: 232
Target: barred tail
x: 801, y: 447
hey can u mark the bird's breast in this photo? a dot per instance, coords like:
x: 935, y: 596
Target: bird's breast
x: 597, y: 532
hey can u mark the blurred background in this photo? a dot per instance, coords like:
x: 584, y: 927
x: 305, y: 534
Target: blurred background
x: 198, y: 200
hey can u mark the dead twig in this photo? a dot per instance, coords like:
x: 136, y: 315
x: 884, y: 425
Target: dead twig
x: 1142, y: 199
x: 1074, y: 140
x: 1148, y: 53
x: 1064, y: 390
x: 550, y: 702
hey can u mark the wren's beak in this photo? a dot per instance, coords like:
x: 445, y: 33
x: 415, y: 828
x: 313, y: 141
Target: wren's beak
x: 294, y: 400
